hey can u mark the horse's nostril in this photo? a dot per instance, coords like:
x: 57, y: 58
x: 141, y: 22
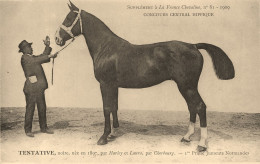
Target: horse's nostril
x: 58, y: 40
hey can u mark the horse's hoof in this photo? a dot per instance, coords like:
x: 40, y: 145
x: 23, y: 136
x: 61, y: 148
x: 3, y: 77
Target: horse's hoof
x: 201, y: 148
x: 184, y: 140
x: 102, y: 141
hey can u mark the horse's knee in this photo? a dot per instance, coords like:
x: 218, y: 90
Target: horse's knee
x: 110, y: 110
x: 107, y: 112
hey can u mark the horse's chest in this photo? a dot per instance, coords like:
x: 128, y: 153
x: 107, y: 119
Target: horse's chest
x: 105, y: 69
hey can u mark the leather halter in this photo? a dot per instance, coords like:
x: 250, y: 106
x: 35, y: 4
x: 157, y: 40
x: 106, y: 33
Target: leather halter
x: 68, y: 29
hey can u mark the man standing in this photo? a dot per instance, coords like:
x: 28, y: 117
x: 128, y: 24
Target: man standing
x: 35, y: 84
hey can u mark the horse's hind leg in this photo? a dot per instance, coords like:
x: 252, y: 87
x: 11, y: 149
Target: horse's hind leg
x: 196, y: 106
x: 191, y: 127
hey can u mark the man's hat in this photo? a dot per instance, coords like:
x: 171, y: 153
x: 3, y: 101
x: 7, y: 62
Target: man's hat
x: 23, y: 44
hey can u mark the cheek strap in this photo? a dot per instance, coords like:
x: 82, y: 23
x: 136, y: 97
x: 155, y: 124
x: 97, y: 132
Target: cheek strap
x: 68, y: 29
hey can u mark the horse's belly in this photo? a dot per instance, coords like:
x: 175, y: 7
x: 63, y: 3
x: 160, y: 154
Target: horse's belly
x: 142, y: 80
x: 142, y: 72
x: 140, y: 83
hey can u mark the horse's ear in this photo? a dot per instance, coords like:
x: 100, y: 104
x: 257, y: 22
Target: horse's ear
x: 69, y: 7
x: 73, y: 7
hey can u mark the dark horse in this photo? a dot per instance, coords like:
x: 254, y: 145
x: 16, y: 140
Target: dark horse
x: 118, y: 63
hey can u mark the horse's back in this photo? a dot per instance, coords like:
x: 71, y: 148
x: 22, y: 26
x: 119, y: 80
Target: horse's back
x: 141, y: 66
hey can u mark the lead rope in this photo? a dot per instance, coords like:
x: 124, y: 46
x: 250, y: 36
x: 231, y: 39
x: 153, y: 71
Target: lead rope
x: 52, y: 70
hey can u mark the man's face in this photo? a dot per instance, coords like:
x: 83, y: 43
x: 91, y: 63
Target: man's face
x: 28, y: 49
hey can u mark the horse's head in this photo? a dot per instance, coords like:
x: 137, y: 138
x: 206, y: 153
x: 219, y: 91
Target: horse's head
x: 71, y: 26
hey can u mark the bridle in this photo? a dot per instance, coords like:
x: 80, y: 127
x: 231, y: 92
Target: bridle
x: 68, y: 29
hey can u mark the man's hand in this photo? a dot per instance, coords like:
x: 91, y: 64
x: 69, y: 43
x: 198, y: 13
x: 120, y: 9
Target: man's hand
x: 47, y: 41
x: 53, y: 55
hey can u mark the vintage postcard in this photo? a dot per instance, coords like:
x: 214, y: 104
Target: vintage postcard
x: 130, y: 81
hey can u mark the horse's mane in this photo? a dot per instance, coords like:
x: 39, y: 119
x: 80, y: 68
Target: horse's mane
x: 99, y: 25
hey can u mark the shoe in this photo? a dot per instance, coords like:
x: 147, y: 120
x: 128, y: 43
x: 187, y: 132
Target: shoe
x: 48, y: 131
x: 30, y: 134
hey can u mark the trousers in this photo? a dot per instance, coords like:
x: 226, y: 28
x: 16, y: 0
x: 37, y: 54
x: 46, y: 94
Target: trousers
x: 33, y: 99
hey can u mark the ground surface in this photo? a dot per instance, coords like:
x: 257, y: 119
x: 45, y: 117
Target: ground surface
x: 144, y: 136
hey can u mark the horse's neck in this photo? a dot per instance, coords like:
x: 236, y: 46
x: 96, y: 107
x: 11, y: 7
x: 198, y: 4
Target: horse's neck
x: 97, y: 34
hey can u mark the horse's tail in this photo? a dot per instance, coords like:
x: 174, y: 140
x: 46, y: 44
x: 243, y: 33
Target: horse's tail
x: 222, y: 64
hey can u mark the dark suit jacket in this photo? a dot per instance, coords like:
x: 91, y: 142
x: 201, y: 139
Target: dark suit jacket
x: 32, y: 67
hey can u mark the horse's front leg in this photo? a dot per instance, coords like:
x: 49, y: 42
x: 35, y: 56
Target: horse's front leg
x: 115, y: 125
x: 110, y: 105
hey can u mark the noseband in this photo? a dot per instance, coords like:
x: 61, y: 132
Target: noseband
x: 68, y: 29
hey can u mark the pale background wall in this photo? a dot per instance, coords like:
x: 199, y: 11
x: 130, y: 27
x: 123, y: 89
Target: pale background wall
x: 236, y: 31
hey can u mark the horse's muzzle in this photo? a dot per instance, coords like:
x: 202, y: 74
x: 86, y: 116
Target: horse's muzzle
x: 59, y: 41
